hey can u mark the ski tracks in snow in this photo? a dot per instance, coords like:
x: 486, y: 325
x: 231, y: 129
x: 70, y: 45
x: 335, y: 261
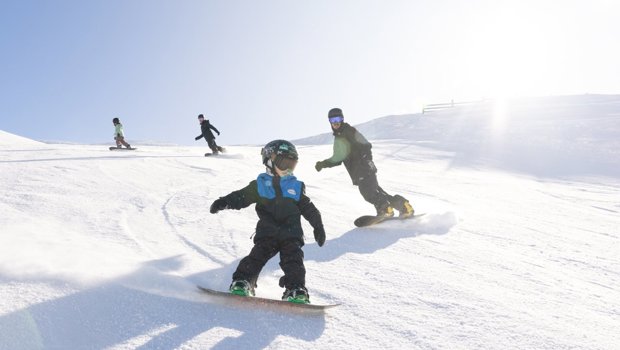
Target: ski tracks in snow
x: 173, y: 227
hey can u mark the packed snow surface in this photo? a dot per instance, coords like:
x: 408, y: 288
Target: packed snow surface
x: 103, y: 249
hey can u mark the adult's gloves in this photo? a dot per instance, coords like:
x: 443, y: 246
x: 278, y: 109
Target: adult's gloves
x: 321, y: 165
x: 219, y: 204
x: 319, y: 236
x: 197, y: 138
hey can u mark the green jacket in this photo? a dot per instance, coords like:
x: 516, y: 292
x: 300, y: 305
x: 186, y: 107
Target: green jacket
x: 119, y: 130
x: 353, y: 150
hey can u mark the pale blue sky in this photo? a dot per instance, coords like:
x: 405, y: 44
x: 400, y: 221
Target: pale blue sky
x: 261, y: 70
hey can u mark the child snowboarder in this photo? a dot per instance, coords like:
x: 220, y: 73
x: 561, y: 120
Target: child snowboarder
x: 280, y: 201
x: 205, y: 128
x: 352, y: 149
x: 119, y: 135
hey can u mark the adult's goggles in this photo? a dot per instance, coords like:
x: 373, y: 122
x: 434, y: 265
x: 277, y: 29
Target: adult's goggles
x: 338, y: 119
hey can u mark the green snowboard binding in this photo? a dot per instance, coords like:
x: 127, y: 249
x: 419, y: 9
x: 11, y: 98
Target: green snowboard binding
x: 241, y: 288
x: 297, y: 295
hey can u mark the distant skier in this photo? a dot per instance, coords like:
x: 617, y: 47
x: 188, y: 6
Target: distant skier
x: 280, y: 201
x: 119, y: 135
x: 206, y: 128
x: 352, y: 149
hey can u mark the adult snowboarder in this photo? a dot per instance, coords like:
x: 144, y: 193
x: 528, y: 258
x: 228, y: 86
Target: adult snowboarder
x: 119, y: 134
x: 205, y: 128
x: 280, y: 202
x: 352, y: 149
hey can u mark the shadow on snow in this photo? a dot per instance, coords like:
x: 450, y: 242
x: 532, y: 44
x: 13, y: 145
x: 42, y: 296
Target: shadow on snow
x: 115, y: 313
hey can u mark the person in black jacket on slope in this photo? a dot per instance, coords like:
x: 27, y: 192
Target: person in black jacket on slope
x: 205, y: 128
x: 280, y: 202
x: 352, y: 149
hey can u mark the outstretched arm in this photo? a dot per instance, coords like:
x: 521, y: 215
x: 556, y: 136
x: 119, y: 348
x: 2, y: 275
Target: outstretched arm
x: 238, y: 199
x: 214, y: 129
x: 341, y: 152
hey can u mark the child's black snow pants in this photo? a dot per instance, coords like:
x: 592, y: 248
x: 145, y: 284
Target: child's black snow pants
x: 291, y: 262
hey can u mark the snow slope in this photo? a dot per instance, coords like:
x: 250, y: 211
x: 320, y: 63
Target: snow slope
x: 546, y: 136
x: 103, y: 249
x: 10, y: 141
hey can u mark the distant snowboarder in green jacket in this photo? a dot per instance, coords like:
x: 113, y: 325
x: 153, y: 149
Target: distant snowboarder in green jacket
x: 119, y: 135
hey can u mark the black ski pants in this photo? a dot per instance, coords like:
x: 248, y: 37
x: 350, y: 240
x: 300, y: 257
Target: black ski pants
x: 372, y: 192
x: 212, y: 145
x: 291, y: 262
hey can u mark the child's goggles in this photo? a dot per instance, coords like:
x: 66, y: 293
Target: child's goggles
x: 285, y: 163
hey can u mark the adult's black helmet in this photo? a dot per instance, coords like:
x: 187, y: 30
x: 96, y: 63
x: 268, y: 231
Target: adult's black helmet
x: 115, y: 121
x: 286, y: 155
x: 335, y: 112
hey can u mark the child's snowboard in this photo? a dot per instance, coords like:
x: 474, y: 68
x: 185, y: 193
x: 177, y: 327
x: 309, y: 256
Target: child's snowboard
x: 122, y: 149
x: 266, y: 301
x: 369, y: 220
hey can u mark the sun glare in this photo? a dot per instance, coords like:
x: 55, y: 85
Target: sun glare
x: 508, y: 52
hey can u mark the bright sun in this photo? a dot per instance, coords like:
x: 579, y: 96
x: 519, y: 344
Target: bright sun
x: 509, y: 51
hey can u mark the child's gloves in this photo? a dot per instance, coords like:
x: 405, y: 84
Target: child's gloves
x: 319, y: 236
x: 219, y: 204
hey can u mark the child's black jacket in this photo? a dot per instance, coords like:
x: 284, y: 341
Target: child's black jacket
x: 280, y: 202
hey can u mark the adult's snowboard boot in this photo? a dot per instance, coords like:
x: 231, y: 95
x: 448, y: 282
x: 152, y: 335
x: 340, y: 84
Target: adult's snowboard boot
x: 385, y: 211
x: 296, y: 295
x: 403, y: 206
x: 241, y: 287
x: 407, y: 210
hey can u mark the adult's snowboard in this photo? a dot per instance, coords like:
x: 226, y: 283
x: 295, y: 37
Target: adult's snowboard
x: 122, y: 149
x: 369, y: 220
x: 266, y: 301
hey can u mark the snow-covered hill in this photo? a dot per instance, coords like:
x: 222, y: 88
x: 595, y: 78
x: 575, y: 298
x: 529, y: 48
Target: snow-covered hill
x: 103, y: 249
x: 550, y: 136
x: 10, y: 141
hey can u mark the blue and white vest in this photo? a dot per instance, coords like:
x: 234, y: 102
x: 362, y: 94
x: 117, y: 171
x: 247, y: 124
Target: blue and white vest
x: 291, y: 187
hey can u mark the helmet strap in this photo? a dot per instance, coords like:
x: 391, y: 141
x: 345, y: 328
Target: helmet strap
x: 270, y: 167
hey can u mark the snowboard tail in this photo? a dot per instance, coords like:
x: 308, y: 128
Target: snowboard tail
x: 369, y: 220
x: 265, y: 301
